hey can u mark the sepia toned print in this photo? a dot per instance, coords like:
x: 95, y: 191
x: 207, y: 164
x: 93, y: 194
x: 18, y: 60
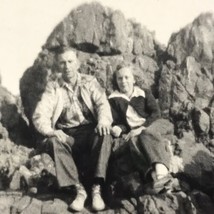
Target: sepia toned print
x: 106, y: 107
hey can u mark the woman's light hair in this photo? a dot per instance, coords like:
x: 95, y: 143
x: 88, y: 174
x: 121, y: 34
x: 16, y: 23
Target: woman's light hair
x: 119, y: 67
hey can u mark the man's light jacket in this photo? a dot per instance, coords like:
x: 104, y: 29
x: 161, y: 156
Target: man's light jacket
x: 50, y: 107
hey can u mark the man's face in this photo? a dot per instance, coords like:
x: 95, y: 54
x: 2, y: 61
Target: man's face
x: 125, y: 80
x: 68, y: 65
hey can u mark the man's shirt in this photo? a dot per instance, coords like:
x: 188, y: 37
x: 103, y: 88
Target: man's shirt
x: 75, y: 112
x: 50, y: 107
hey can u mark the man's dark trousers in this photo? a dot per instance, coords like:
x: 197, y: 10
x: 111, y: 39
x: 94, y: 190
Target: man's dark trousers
x: 83, y: 149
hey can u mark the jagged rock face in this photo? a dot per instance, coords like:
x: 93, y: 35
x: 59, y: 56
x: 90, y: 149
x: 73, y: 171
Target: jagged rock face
x: 186, y: 80
x: 195, y: 40
x: 180, y: 77
x: 12, y: 157
x: 11, y: 116
x: 188, y: 83
x: 103, y: 39
x: 14, y: 133
x: 93, y: 28
x: 7, y: 108
x: 198, y: 162
x: 186, y: 95
x: 190, y: 79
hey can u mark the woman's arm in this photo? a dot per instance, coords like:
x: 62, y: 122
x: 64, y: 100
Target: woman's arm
x: 119, y: 124
x: 133, y: 133
x: 151, y: 108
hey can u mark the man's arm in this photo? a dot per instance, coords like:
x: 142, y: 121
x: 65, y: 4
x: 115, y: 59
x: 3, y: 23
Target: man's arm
x: 102, y: 108
x: 42, y: 116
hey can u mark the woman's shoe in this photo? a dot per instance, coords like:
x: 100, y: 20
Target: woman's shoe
x: 159, y: 186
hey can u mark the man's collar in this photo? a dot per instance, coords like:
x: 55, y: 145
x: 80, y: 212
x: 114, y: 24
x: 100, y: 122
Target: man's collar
x: 69, y: 86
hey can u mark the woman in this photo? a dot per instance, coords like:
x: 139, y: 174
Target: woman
x: 134, y: 110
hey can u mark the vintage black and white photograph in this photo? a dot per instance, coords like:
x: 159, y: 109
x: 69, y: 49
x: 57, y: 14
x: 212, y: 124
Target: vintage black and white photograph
x: 107, y: 106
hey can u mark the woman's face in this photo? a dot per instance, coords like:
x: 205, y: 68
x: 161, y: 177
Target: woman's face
x: 125, y: 80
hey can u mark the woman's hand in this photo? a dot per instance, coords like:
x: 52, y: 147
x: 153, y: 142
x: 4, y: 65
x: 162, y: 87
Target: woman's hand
x: 116, y: 131
x: 133, y: 133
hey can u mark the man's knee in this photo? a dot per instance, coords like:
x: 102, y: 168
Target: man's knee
x: 108, y: 139
x: 52, y: 140
x: 46, y: 145
x: 103, y: 140
x: 55, y: 141
x: 102, y: 144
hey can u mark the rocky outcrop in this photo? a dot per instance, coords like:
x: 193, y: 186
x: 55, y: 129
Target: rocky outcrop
x: 13, y: 119
x: 186, y: 96
x: 181, y: 78
x: 104, y: 39
x: 93, y: 28
x: 196, y: 40
x: 14, y: 133
x: 191, y: 70
x: 186, y: 80
x: 198, y: 163
x: 12, y: 157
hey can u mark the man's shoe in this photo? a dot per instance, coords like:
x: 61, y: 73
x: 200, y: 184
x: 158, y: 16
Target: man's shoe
x: 97, y: 201
x: 78, y: 203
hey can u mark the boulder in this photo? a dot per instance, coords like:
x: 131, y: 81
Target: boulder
x: 176, y: 203
x: 103, y: 39
x: 212, y: 121
x: 13, y: 126
x: 12, y: 157
x: 165, y: 86
x: 196, y: 39
x: 198, y: 163
x: 186, y: 79
x: 201, y: 121
x: 202, y: 201
x: 180, y: 76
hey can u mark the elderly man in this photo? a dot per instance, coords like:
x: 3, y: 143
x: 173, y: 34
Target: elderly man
x: 74, y: 116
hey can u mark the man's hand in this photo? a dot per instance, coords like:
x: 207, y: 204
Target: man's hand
x: 102, y: 129
x: 133, y: 133
x: 60, y: 135
x: 116, y: 131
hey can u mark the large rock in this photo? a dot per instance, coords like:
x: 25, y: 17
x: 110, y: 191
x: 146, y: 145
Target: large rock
x: 198, y: 163
x: 202, y: 121
x: 187, y: 83
x: 195, y: 40
x: 14, y: 133
x: 186, y: 80
x: 12, y: 157
x: 165, y: 86
x: 13, y: 125
x: 103, y: 39
x: 191, y: 76
x: 166, y: 204
x: 181, y: 77
x: 92, y: 28
x: 8, y: 108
